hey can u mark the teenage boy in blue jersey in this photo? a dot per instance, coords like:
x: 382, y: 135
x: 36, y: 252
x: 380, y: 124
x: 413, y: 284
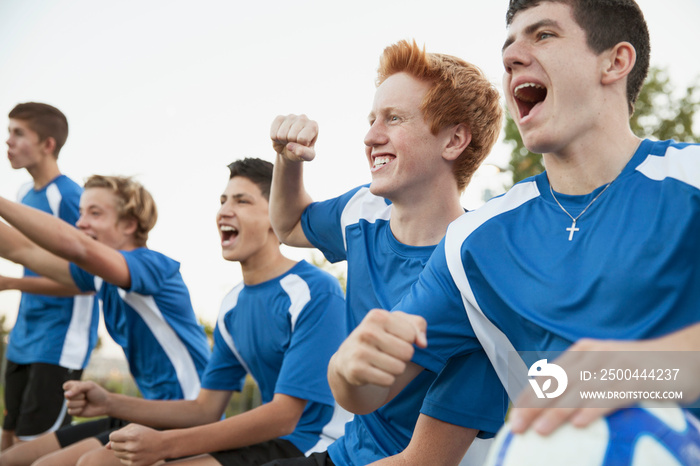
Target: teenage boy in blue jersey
x: 434, y: 119
x: 146, y: 303
x: 53, y: 337
x: 280, y: 325
x: 602, y: 245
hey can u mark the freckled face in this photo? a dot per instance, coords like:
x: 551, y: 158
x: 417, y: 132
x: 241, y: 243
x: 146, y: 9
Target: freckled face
x: 401, y: 150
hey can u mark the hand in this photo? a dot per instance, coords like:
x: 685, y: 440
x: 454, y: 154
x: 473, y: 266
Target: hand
x: 137, y: 445
x: 86, y: 399
x: 294, y: 136
x: 585, y: 354
x: 377, y: 351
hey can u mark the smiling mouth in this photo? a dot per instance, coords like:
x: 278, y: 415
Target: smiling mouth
x: 527, y: 96
x: 380, y: 161
x: 228, y: 234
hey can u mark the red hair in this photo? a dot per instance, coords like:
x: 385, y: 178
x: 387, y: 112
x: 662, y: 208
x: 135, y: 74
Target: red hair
x: 459, y: 93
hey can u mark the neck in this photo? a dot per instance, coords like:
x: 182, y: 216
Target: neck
x: 424, y: 220
x: 44, y: 173
x: 586, y: 165
x: 264, y: 266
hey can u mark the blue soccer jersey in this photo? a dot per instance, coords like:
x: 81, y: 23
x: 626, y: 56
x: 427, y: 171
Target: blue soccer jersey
x: 511, y: 277
x: 283, y: 332
x: 355, y: 227
x: 154, y: 323
x: 49, y: 329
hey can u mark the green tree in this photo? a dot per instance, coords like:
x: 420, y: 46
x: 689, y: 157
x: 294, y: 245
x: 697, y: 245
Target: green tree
x: 660, y: 113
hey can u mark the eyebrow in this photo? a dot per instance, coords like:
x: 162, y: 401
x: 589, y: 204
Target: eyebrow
x: 530, y: 30
x: 236, y: 196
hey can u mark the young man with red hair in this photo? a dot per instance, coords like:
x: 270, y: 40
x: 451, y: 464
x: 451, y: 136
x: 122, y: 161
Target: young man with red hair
x: 598, y: 251
x: 434, y: 119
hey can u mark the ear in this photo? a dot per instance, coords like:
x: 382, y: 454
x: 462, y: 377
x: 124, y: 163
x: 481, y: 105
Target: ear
x: 49, y: 145
x: 459, y: 138
x: 130, y: 225
x: 618, y: 62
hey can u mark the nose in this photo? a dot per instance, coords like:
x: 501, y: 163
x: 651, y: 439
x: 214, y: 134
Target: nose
x: 226, y: 210
x: 81, y: 223
x: 514, y: 55
x: 376, y: 136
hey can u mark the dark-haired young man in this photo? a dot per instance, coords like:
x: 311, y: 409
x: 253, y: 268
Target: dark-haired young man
x: 602, y: 245
x: 280, y: 325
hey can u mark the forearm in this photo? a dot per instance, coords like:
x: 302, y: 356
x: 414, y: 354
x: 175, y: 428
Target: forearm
x: 266, y: 422
x: 44, y: 230
x: 358, y: 399
x: 16, y: 247
x: 38, y: 285
x: 288, y: 199
x: 161, y: 414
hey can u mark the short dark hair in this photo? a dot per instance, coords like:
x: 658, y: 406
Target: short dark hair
x: 45, y: 120
x: 607, y: 23
x: 256, y: 170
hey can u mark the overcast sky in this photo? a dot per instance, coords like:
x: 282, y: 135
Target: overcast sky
x: 172, y: 91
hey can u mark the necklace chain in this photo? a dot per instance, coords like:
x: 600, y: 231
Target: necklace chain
x: 573, y: 228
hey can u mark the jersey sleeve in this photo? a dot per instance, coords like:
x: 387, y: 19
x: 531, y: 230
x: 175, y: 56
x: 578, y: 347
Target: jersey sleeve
x: 69, y: 208
x: 149, y: 270
x: 85, y: 281
x: 321, y: 222
x: 224, y: 371
x: 468, y: 393
x: 317, y: 333
x: 436, y: 298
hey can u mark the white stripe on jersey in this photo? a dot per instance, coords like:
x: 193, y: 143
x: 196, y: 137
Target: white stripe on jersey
x: 680, y: 164
x: 363, y: 205
x: 75, y: 345
x: 298, y: 291
x: 495, y: 343
x: 23, y: 190
x: 169, y: 340
x: 54, y: 197
x: 229, y: 302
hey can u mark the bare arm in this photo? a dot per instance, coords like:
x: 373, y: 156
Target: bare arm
x: 87, y: 399
x: 272, y: 420
x: 588, y: 353
x: 433, y: 442
x: 16, y: 247
x: 65, y: 241
x: 374, y: 363
x: 38, y: 285
x: 293, y: 138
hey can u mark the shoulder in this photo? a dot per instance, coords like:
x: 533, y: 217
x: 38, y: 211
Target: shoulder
x: 670, y: 160
x: 311, y: 277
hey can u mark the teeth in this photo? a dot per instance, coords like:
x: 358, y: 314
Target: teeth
x: 381, y: 161
x: 228, y: 228
x: 525, y: 85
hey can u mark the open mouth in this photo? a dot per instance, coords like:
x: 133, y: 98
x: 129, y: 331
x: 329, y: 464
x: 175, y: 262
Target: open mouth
x: 527, y: 96
x: 380, y: 161
x: 228, y: 234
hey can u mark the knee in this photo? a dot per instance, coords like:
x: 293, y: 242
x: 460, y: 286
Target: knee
x: 95, y: 458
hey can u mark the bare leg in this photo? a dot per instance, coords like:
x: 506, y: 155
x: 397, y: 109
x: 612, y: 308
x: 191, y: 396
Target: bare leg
x: 99, y: 457
x: 25, y: 453
x: 8, y: 439
x: 69, y: 455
